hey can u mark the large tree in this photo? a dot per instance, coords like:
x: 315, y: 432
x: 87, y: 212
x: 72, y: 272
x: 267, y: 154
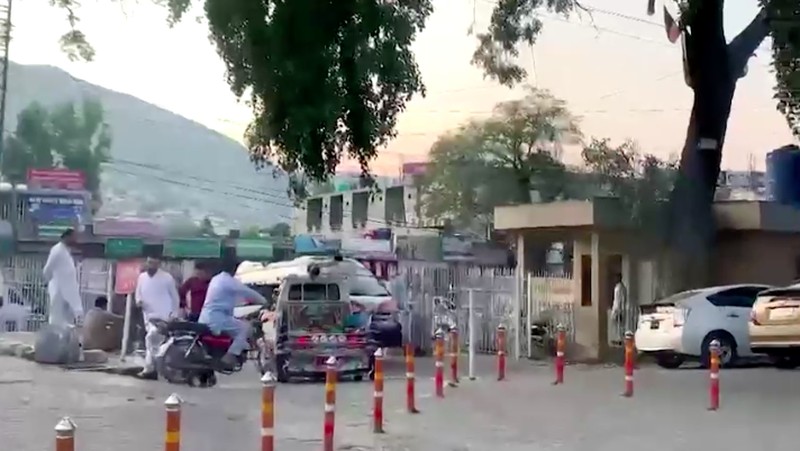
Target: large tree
x: 499, y: 160
x: 70, y: 136
x: 712, y: 68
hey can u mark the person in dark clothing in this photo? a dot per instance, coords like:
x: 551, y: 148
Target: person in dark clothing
x: 196, y: 287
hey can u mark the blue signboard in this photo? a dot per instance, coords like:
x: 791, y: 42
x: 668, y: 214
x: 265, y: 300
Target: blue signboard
x: 53, y: 213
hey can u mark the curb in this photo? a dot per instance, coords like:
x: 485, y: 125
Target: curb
x: 10, y: 348
x: 94, y: 360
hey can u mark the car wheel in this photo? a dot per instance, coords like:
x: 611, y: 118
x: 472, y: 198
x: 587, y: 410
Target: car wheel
x: 669, y: 361
x: 785, y: 362
x: 728, y: 354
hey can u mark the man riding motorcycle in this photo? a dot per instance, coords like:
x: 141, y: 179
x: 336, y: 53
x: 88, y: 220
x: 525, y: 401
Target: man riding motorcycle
x: 224, y: 291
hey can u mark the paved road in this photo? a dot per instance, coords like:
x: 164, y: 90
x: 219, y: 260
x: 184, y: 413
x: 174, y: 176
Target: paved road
x: 760, y: 410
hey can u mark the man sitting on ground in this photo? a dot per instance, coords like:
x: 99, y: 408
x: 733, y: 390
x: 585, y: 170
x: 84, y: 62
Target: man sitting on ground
x: 101, y: 328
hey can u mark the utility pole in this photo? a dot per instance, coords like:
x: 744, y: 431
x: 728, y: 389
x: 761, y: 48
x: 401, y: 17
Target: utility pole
x: 5, y: 43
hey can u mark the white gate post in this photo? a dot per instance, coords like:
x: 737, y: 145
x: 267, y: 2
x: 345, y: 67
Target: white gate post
x: 126, y: 327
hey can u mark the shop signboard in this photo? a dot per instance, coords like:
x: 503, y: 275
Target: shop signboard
x: 259, y: 249
x: 192, y: 248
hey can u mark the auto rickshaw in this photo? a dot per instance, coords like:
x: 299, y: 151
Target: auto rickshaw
x: 314, y: 320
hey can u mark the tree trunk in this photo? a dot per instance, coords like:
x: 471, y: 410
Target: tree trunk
x: 714, y: 68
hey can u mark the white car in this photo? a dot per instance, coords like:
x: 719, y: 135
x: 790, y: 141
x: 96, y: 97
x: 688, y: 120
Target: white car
x: 683, y: 325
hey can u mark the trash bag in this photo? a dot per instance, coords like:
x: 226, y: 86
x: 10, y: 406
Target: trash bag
x: 58, y: 344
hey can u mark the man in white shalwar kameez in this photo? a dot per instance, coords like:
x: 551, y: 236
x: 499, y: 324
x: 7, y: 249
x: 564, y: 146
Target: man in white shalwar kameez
x: 157, y: 295
x: 66, y: 306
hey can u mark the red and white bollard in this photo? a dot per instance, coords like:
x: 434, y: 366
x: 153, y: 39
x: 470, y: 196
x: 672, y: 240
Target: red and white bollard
x: 330, y: 405
x: 377, y: 395
x: 501, y: 352
x: 713, y: 388
x: 455, y: 350
x: 268, y: 412
x: 629, y: 364
x: 411, y: 403
x: 438, y: 356
x: 172, y: 438
x: 561, y: 346
x: 65, y: 435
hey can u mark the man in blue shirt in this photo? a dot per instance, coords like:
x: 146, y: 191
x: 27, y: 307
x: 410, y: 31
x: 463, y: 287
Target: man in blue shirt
x: 224, y: 293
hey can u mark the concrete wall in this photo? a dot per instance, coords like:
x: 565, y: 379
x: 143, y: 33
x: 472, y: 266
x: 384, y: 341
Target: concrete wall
x: 756, y: 257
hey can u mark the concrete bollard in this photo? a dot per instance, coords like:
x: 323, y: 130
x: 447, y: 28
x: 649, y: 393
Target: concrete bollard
x: 501, y: 352
x: 713, y: 373
x: 455, y: 350
x: 561, y: 346
x: 65, y: 435
x: 268, y: 412
x: 411, y: 402
x: 377, y: 394
x: 629, y: 364
x: 172, y: 438
x: 438, y: 354
x: 330, y: 405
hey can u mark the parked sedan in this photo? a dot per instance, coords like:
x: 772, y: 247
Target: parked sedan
x: 682, y: 326
x: 775, y: 325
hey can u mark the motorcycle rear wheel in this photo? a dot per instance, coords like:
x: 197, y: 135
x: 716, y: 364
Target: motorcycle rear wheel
x: 166, y: 365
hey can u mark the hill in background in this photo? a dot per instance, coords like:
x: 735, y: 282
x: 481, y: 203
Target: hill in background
x: 164, y: 166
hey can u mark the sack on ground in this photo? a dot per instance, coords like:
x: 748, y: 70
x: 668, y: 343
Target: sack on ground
x: 58, y: 344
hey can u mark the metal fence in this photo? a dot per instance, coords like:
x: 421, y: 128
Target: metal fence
x: 25, y: 285
x: 439, y: 293
x: 549, y: 303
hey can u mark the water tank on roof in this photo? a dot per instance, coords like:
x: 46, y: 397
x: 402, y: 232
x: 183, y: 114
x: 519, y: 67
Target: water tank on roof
x: 783, y: 175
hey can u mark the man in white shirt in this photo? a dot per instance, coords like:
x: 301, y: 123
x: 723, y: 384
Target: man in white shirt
x: 622, y: 310
x: 157, y: 296
x: 66, y: 306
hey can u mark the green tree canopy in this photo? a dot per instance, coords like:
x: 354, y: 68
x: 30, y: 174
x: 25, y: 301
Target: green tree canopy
x: 499, y: 160
x: 642, y: 182
x: 76, y: 138
x: 280, y: 230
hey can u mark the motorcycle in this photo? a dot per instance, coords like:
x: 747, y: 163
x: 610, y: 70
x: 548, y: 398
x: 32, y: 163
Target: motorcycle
x: 192, y: 354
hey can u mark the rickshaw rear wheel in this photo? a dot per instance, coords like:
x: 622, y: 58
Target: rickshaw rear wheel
x: 281, y: 374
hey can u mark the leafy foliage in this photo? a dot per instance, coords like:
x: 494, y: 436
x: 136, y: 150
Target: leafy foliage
x: 325, y: 80
x: 516, y: 22
x: 785, y: 26
x: 499, y: 160
x: 641, y: 182
x: 280, y: 230
x: 75, y: 138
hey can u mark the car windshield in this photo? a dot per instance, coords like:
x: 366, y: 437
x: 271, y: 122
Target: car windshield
x: 678, y: 297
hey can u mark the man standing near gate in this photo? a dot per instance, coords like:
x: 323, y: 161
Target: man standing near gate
x: 66, y: 306
x: 157, y: 295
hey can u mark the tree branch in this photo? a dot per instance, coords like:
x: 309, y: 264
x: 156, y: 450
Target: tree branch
x: 747, y: 41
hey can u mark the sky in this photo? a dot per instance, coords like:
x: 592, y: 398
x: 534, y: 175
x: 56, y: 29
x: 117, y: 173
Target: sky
x: 615, y: 69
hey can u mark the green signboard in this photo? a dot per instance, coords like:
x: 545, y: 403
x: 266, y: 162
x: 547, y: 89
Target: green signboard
x: 192, y: 248
x: 121, y: 248
x: 254, y: 248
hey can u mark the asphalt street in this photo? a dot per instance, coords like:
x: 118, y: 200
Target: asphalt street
x: 760, y: 410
